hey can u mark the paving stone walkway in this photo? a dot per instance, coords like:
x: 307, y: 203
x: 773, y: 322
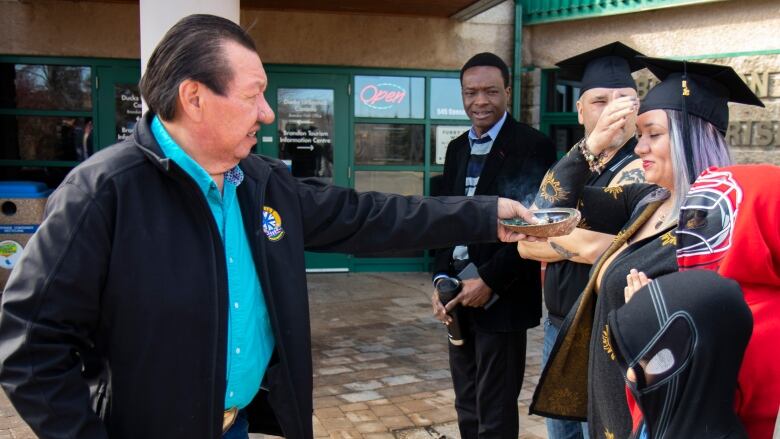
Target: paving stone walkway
x: 380, y: 363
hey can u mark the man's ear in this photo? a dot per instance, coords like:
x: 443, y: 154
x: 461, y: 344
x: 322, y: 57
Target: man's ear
x: 191, y: 99
x: 580, y: 119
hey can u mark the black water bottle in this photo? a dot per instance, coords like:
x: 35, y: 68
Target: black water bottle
x: 448, y: 288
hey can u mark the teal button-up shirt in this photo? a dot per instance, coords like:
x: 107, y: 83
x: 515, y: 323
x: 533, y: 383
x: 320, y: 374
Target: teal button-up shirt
x: 250, y: 338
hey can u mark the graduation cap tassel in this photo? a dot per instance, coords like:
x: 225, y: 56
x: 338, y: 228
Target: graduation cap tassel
x: 688, y: 149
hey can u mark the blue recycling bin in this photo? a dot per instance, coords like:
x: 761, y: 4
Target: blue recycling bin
x: 21, y: 211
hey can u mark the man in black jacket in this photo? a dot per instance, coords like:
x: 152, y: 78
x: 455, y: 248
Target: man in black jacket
x: 603, y: 74
x: 497, y: 156
x: 174, y: 260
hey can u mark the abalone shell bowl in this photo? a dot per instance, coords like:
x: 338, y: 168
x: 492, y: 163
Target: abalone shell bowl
x: 552, y: 222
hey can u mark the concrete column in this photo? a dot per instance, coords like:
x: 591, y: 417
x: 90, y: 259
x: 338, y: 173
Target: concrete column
x: 158, y: 16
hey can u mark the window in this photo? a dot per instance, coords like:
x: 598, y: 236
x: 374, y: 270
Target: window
x: 559, y: 111
x: 389, y: 144
x: 561, y: 96
x: 45, y: 87
x: 53, y: 117
x: 47, y: 138
x: 389, y: 97
x: 50, y: 119
x: 446, y: 100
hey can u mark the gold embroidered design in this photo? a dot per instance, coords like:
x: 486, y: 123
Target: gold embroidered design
x: 620, y: 235
x: 685, y: 90
x: 551, y: 189
x: 614, y: 191
x: 607, y: 343
x: 608, y: 434
x: 668, y: 238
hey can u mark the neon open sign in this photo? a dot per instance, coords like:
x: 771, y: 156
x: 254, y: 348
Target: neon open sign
x: 382, y: 96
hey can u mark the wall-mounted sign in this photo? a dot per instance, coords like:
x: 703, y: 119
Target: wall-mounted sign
x: 446, y: 100
x: 444, y: 135
x: 389, y: 97
x: 127, y: 104
x: 382, y: 96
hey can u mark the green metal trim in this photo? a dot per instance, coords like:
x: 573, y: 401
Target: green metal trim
x: 545, y: 11
x: 70, y: 61
x: 542, y: 92
x: 518, y: 61
x: 44, y: 113
x: 390, y: 168
x: 427, y: 139
x: 351, y: 121
x: 360, y: 71
x: 386, y: 120
x: 39, y: 163
x: 362, y: 265
x: 729, y: 54
x: 559, y: 118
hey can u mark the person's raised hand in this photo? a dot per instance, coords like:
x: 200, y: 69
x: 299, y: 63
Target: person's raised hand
x: 634, y: 282
x: 609, y: 128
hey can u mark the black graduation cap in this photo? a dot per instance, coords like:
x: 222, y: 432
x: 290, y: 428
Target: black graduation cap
x: 696, y: 88
x: 608, y: 66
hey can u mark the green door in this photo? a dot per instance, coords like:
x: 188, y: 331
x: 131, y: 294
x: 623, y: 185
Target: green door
x: 311, y: 135
x: 119, y: 103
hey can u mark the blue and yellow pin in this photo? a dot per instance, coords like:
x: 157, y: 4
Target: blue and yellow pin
x: 272, y: 224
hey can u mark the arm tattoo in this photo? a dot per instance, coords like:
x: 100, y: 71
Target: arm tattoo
x: 632, y: 176
x: 566, y: 254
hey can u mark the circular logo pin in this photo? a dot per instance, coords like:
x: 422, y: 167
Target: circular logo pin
x: 272, y: 224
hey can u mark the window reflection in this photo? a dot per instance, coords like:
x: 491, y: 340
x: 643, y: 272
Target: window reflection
x: 45, y: 87
x: 45, y: 138
x: 386, y: 144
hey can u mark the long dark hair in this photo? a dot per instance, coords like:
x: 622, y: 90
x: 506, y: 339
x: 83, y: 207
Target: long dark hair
x: 708, y: 146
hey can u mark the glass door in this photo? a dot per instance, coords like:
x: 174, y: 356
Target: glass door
x: 310, y: 135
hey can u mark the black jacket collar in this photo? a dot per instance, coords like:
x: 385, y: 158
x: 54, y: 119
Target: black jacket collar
x: 254, y: 166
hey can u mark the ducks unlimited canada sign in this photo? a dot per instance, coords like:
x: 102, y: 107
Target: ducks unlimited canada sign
x: 754, y: 132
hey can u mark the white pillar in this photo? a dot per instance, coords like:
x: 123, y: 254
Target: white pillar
x: 158, y: 16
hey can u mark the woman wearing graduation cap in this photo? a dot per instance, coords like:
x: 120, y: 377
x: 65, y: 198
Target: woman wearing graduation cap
x: 680, y: 131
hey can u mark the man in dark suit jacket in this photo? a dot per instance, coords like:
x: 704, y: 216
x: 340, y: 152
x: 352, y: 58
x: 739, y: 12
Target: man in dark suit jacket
x: 497, y: 156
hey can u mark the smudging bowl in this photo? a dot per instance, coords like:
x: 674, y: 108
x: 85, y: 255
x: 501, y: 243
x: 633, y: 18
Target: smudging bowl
x: 553, y: 222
